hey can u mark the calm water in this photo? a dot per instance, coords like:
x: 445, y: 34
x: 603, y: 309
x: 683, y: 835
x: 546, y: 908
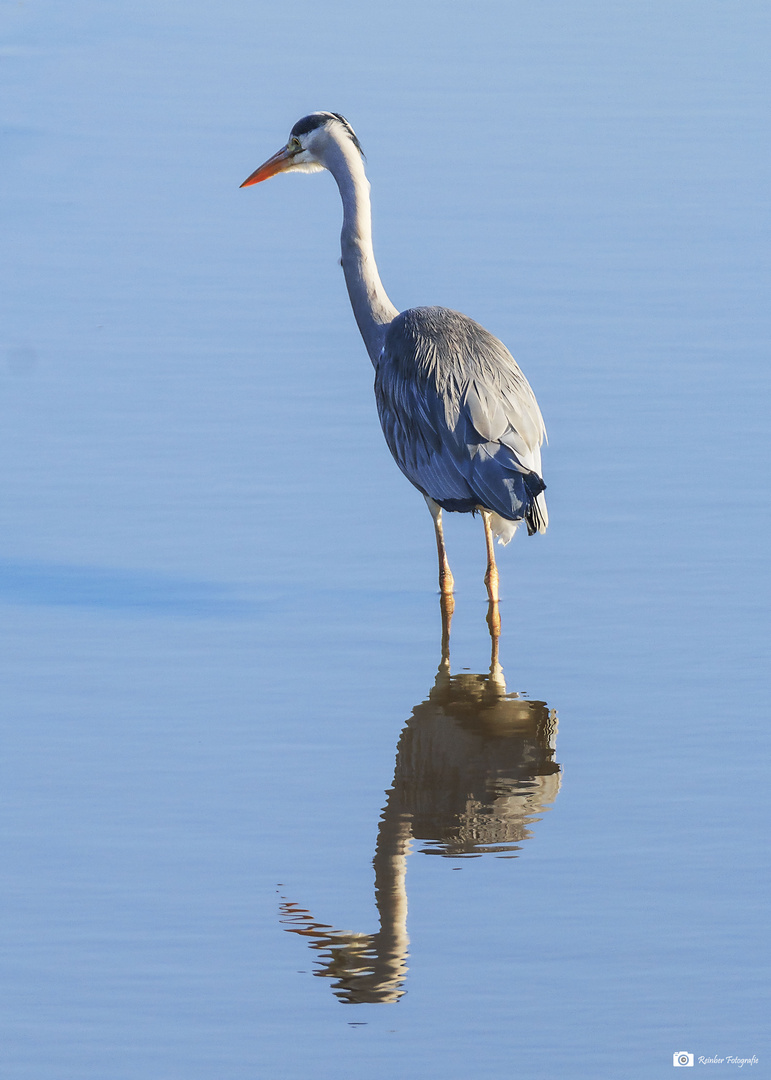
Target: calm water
x: 252, y: 827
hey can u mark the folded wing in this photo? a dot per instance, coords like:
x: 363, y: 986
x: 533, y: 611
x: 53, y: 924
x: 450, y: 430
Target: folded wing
x: 459, y: 416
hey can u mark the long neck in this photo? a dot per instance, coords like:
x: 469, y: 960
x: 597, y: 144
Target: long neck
x: 371, y: 307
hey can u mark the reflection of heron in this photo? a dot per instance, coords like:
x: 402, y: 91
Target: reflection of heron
x: 474, y: 769
x: 475, y: 766
x: 458, y: 415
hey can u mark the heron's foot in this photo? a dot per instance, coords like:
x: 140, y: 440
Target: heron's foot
x: 446, y: 582
x: 491, y: 581
x: 494, y: 624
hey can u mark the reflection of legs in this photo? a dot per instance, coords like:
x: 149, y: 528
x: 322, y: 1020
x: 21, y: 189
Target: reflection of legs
x: 491, y: 577
x: 493, y: 614
x: 446, y: 583
x: 494, y: 624
x: 447, y: 604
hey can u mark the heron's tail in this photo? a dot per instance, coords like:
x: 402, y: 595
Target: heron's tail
x: 503, y: 529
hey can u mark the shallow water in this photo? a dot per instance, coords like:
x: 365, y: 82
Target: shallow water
x: 222, y: 664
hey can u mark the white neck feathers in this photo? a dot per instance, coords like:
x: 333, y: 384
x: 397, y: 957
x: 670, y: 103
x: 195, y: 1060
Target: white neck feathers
x: 371, y: 307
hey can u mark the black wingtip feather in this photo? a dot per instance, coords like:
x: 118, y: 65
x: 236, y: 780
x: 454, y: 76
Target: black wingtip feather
x: 534, y: 485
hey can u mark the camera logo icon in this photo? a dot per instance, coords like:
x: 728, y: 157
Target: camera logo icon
x: 682, y: 1058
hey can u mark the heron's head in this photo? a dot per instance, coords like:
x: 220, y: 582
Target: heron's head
x: 308, y: 146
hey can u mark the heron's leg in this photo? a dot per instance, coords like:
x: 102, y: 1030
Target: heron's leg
x: 491, y: 577
x: 446, y: 582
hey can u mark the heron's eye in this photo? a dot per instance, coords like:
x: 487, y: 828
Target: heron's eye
x: 295, y: 146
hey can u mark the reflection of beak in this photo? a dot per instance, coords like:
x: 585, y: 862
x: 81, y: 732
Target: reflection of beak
x: 278, y: 163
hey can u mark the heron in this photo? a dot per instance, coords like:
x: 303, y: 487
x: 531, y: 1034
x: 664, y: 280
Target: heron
x: 458, y: 415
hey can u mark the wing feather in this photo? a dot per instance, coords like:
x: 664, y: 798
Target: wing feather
x: 459, y: 416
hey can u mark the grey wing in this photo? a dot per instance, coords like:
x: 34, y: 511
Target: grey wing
x: 459, y: 416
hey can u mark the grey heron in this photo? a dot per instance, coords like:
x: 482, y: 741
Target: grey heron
x: 458, y: 415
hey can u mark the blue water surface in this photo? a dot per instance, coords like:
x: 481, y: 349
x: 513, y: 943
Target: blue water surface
x: 221, y: 635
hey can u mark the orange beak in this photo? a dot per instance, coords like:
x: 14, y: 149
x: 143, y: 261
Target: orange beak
x: 278, y: 163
